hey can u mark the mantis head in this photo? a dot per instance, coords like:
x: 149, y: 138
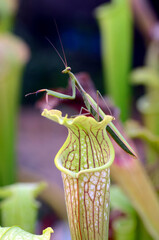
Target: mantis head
x: 66, y: 70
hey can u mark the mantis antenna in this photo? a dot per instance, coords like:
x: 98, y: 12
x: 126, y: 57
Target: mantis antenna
x: 65, y: 63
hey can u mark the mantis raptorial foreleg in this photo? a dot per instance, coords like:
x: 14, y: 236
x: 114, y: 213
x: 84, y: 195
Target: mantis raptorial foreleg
x: 57, y: 94
x: 93, y: 108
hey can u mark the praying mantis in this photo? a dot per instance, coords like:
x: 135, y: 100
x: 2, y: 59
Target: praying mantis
x: 92, y: 107
x: 90, y: 104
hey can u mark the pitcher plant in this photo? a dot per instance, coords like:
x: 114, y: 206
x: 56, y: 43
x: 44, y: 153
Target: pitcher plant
x: 84, y: 161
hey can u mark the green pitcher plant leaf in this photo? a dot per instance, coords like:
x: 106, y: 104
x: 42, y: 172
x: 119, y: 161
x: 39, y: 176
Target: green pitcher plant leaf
x: 125, y: 229
x: 8, y: 11
x: 115, y: 24
x: 11, y: 233
x: 13, y: 57
x: 84, y: 161
x: 148, y: 104
x: 19, y: 206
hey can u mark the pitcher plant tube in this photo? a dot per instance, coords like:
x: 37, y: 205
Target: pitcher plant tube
x: 84, y: 161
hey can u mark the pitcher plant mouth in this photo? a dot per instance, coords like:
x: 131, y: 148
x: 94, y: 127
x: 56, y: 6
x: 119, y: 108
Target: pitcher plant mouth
x: 82, y: 129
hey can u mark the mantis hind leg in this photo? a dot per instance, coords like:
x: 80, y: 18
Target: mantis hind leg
x: 83, y: 114
x: 85, y: 109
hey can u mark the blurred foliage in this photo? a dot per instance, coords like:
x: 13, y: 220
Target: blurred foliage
x: 14, y: 54
x: 8, y: 10
x: 135, y: 130
x: 125, y: 226
x: 131, y: 176
x: 148, y: 105
x: 18, y: 206
x: 115, y: 23
x: 13, y: 57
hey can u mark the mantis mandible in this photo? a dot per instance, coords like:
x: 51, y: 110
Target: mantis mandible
x: 92, y: 107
